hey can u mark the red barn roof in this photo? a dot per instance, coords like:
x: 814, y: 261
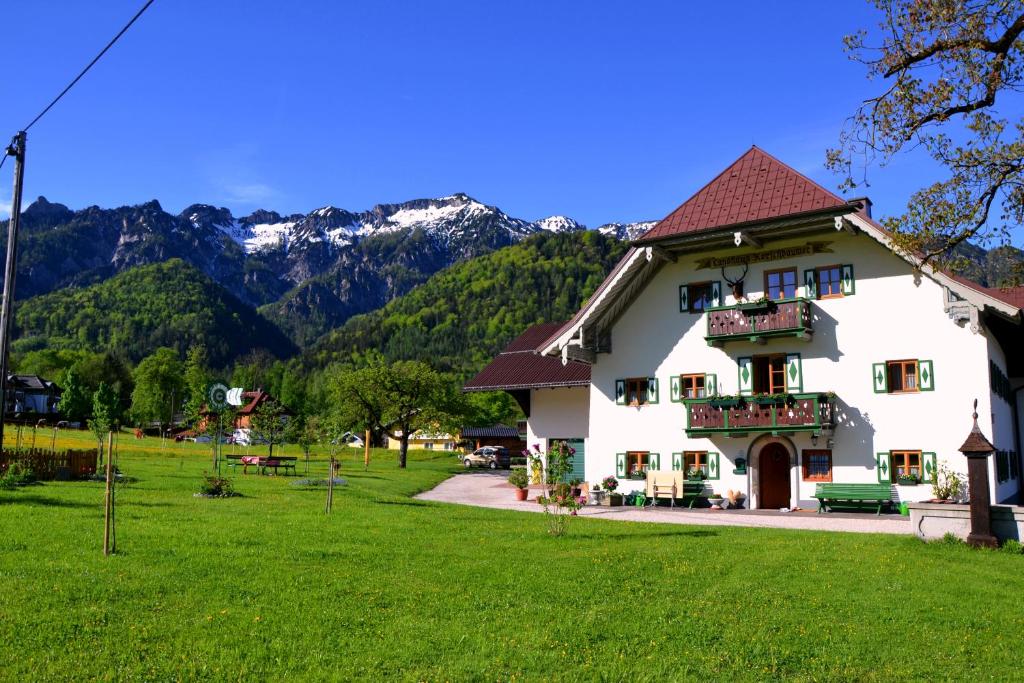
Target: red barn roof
x: 756, y: 187
x: 519, y: 366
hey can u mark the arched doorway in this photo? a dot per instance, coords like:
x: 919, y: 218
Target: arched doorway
x: 773, y: 473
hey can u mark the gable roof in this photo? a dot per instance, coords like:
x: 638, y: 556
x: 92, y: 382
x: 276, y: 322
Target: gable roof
x: 757, y: 187
x: 519, y: 366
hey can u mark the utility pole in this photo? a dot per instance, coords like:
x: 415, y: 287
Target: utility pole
x: 17, y: 150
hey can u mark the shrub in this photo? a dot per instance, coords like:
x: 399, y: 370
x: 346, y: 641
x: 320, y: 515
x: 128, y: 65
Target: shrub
x: 17, y: 475
x: 519, y: 478
x: 213, y: 485
x: 946, y: 484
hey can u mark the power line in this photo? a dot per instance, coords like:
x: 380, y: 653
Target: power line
x: 88, y: 66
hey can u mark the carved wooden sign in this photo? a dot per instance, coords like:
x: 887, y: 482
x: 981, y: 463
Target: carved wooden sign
x: 766, y: 255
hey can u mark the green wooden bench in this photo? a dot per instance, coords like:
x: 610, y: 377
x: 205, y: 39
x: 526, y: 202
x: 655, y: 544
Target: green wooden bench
x: 853, y: 495
x: 693, y: 490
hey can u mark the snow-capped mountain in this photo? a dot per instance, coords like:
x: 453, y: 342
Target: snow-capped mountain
x: 330, y: 262
x: 626, y: 231
x: 560, y: 224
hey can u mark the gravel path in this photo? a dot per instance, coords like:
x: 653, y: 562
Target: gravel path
x: 490, y: 490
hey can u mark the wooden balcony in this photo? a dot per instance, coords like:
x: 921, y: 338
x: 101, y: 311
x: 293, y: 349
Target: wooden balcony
x: 757, y: 322
x: 776, y: 414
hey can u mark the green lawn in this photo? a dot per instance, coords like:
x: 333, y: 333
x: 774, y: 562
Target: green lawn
x: 266, y: 587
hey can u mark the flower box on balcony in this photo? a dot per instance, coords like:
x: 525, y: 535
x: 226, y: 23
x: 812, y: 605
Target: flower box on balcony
x: 752, y: 306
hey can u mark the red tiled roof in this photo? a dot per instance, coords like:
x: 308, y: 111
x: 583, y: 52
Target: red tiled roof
x: 519, y: 366
x: 756, y: 187
x: 1010, y: 295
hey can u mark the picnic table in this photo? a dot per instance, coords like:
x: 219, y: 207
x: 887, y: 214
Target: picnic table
x: 262, y: 463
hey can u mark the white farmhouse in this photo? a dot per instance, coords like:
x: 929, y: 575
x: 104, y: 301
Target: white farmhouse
x: 766, y: 334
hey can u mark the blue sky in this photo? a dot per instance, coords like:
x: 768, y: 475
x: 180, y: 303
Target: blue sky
x: 598, y: 110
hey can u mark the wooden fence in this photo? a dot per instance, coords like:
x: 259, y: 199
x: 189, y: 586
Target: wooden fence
x: 48, y: 465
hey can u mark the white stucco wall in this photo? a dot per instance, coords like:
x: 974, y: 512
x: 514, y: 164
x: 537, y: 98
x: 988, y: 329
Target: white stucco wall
x: 558, y: 414
x: 892, y: 316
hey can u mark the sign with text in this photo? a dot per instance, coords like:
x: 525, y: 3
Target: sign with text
x: 766, y: 255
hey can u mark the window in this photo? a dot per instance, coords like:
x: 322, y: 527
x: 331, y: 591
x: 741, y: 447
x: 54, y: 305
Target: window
x: 695, y: 460
x: 780, y: 284
x: 902, y: 376
x: 636, y: 391
x: 770, y: 374
x: 692, y: 386
x: 829, y: 279
x: 428, y: 446
x: 817, y: 465
x: 905, y: 464
x: 699, y: 298
x: 637, y: 461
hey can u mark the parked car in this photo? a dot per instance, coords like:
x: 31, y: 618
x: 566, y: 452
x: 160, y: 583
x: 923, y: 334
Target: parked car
x: 492, y: 457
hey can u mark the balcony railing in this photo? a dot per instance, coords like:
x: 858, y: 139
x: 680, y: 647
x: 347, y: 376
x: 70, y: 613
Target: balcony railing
x: 776, y: 414
x: 757, y: 322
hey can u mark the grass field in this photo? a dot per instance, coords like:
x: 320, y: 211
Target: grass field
x: 267, y: 587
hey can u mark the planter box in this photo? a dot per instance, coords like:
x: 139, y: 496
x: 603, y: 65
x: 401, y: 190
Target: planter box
x: 932, y: 521
x: 611, y: 500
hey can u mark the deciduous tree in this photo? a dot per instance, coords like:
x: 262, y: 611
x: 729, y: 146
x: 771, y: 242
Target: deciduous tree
x: 158, y: 387
x: 396, y: 399
x: 948, y: 69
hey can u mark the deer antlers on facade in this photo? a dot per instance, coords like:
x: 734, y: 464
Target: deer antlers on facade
x: 737, y: 284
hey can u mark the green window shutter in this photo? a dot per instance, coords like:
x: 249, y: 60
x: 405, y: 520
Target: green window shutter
x: 654, y: 461
x: 652, y: 389
x: 710, y: 384
x: 925, y: 375
x: 714, y: 471
x: 745, y: 372
x: 674, y: 389
x: 846, y: 283
x: 928, y: 465
x: 620, y: 392
x: 620, y: 465
x: 810, y: 284
x: 716, y: 293
x: 684, y: 299
x: 794, y: 373
x: 880, y: 377
x: 883, y: 467
x: 677, y: 461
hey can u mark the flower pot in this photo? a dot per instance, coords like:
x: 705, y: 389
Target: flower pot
x: 612, y: 500
x: 521, y: 494
x: 716, y: 503
x: 907, y: 482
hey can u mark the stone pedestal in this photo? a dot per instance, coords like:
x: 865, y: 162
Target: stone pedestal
x: 980, y: 503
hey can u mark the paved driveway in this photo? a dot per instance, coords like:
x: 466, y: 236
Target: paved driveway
x: 491, y: 490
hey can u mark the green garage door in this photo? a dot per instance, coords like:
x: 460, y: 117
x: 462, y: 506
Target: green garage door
x: 578, y: 459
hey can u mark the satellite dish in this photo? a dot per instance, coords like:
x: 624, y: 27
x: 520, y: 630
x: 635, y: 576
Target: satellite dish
x: 217, y: 395
x: 234, y: 396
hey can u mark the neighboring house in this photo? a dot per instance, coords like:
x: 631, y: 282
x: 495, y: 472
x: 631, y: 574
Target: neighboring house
x: 767, y: 334
x: 242, y: 423
x: 498, y: 435
x: 554, y: 396
x: 31, y: 394
x: 431, y: 441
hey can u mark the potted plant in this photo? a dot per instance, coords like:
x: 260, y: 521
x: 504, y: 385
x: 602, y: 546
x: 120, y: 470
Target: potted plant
x: 762, y: 304
x: 520, y: 480
x: 716, y: 501
x: 696, y: 474
x: 574, y: 484
x: 609, y: 484
x: 907, y: 479
x: 638, y: 474
x: 596, y: 495
x: 735, y: 498
x: 724, y: 401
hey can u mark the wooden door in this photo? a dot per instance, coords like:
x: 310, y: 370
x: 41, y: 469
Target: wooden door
x: 775, y: 488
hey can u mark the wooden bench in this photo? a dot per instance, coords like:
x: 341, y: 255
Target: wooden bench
x: 672, y: 485
x: 853, y: 495
x: 262, y: 463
